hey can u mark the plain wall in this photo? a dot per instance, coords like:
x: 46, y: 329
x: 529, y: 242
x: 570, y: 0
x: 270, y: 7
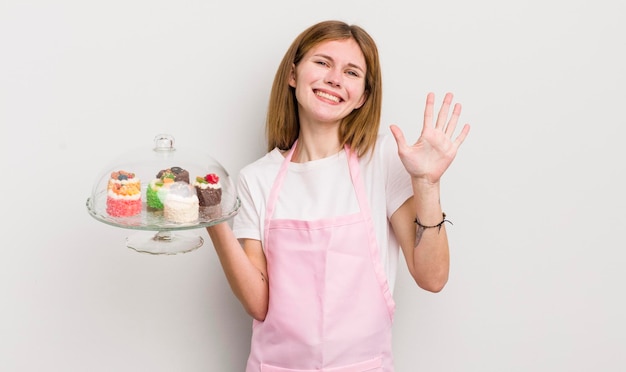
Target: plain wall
x: 536, y: 193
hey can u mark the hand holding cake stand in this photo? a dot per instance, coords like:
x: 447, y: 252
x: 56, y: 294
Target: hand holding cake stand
x: 164, y: 190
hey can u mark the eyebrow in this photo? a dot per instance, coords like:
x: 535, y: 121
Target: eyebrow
x: 349, y: 64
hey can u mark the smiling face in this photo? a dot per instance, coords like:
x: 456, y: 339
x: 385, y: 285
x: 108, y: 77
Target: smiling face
x: 329, y: 82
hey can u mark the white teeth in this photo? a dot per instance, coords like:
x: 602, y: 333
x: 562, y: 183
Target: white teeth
x: 327, y: 96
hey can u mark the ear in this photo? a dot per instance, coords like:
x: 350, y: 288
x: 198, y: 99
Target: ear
x: 292, y: 76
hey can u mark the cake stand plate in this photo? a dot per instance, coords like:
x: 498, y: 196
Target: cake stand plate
x: 156, y: 235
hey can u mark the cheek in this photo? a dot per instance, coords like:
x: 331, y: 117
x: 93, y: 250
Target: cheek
x: 361, y: 102
x: 300, y: 95
x: 359, y: 94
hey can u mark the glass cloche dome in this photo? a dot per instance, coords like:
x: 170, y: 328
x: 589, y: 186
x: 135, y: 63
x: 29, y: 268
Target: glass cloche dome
x: 166, y: 190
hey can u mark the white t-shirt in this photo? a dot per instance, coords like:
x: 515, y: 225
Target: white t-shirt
x: 323, y: 188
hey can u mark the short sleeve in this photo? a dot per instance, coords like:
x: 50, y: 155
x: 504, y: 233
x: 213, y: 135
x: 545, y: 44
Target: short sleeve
x: 246, y: 223
x: 398, y: 186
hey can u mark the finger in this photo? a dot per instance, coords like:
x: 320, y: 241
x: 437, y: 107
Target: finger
x: 442, y: 117
x: 428, y: 111
x: 454, y: 118
x: 399, y: 136
x: 461, y: 137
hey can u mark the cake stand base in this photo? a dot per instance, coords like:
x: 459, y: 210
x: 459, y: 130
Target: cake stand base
x: 164, y: 242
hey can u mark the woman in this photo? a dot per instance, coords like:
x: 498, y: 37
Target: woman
x: 325, y: 211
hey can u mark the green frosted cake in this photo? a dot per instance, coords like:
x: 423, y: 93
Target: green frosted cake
x: 158, y: 187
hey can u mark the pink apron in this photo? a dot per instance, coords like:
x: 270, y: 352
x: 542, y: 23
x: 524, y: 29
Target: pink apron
x: 330, y: 307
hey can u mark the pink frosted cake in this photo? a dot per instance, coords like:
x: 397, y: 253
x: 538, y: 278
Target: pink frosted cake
x: 181, y: 203
x: 123, y: 194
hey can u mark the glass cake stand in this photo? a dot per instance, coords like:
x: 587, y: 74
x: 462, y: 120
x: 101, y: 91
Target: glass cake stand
x: 153, y: 233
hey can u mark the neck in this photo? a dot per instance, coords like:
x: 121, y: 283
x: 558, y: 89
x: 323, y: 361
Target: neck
x: 316, y: 140
x: 308, y: 150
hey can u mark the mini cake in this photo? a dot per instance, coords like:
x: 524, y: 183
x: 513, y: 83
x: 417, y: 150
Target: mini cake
x: 179, y: 174
x: 180, y: 203
x: 157, y: 188
x: 123, y: 194
x: 209, y: 190
x: 152, y: 194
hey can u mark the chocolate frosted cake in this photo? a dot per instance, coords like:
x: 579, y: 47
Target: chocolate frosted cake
x: 209, y: 190
x: 177, y: 173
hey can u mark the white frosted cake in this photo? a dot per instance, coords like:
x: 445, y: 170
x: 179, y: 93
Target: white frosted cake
x: 181, y: 204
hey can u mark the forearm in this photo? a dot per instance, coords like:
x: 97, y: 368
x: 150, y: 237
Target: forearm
x: 431, y: 256
x: 247, y: 279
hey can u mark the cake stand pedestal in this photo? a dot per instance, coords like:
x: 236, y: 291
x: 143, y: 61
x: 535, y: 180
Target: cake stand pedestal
x: 164, y: 242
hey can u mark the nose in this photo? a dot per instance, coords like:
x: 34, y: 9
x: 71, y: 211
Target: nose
x: 333, y: 77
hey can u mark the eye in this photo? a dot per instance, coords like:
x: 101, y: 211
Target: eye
x: 353, y: 73
x: 321, y: 62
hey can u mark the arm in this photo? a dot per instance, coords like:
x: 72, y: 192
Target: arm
x: 427, y: 255
x: 426, y: 249
x: 245, y: 269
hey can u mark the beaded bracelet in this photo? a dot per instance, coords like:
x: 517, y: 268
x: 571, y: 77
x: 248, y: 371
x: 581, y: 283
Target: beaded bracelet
x: 438, y: 226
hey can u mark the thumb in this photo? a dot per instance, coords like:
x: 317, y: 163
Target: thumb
x: 398, y: 135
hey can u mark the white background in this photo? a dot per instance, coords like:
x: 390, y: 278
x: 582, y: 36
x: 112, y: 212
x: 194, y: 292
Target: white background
x: 536, y: 193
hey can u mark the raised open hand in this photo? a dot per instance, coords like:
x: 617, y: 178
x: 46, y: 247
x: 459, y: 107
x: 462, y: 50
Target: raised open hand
x: 435, y: 149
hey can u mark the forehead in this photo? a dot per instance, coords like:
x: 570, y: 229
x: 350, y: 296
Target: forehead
x: 344, y: 51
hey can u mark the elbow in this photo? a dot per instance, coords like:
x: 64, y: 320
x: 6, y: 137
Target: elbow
x: 257, y: 312
x: 434, y: 288
x: 260, y: 316
x: 434, y: 283
x: 432, y: 277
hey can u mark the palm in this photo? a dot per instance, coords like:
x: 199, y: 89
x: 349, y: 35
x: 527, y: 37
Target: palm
x: 434, y: 150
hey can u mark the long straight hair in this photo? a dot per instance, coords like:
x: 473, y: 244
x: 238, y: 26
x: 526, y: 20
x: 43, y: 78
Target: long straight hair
x: 360, y: 128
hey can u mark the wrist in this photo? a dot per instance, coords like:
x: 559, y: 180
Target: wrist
x: 426, y: 194
x: 425, y: 183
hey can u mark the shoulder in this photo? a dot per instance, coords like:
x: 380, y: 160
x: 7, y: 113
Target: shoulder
x: 384, y: 152
x: 386, y: 144
x: 260, y: 167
